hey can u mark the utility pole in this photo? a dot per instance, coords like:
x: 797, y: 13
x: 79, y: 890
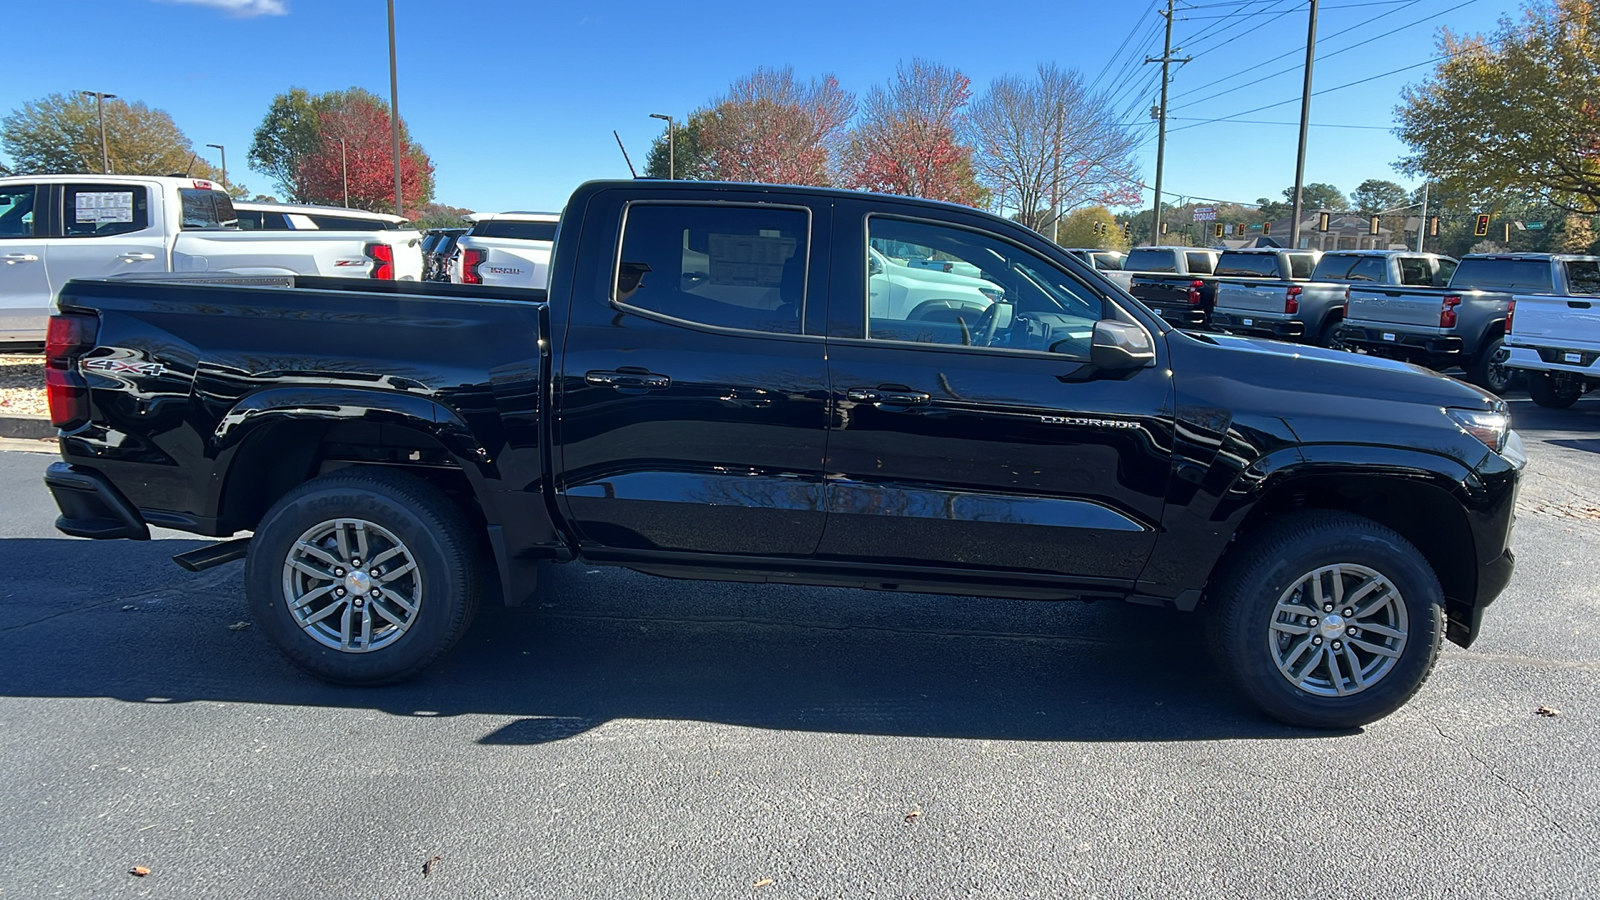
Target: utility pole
x: 100, y: 108
x: 1161, y: 116
x: 1305, y: 125
x: 394, y: 115
x: 1422, y: 220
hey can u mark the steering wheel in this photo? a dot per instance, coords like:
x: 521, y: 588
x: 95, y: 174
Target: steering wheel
x: 983, y: 329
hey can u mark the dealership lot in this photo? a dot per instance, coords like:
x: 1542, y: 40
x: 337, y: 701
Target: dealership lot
x: 633, y: 735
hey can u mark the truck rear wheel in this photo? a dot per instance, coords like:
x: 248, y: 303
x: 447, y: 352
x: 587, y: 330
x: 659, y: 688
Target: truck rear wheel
x: 363, y: 576
x: 1551, y: 392
x: 1489, y: 370
x: 1328, y: 620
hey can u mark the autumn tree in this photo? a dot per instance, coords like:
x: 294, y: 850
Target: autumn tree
x: 61, y: 134
x: 772, y: 129
x: 1091, y: 226
x: 355, y: 153
x: 907, y: 140
x: 1518, y: 110
x: 1376, y: 195
x: 1046, y: 143
x: 439, y: 215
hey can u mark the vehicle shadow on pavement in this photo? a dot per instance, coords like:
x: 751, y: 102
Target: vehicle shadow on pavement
x: 595, y: 645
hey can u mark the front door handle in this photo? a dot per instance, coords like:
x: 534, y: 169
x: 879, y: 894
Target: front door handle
x: 894, y: 395
x: 14, y: 258
x: 134, y: 256
x: 628, y: 378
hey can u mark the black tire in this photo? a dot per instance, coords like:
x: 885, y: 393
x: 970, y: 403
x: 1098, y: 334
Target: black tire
x: 431, y: 532
x: 1552, y: 394
x: 1329, y: 336
x: 1489, y: 370
x: 1272, y: 564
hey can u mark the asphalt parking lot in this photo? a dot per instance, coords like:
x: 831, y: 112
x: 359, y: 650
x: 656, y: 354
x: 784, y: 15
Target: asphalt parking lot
x: 634, y: 736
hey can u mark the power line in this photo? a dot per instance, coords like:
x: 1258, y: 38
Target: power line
x: 1296, y: 124
x: 1249, y: 31
x: 1236, y: 17
x: 1110, y: 61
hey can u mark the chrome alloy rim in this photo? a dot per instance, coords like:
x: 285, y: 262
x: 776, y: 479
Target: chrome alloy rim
x: 352, y: 585
x: 1338, y: 630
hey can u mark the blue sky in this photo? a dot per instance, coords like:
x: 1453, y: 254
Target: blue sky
x: 516, y: 101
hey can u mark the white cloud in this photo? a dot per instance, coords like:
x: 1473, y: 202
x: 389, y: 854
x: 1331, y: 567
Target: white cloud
x: 242, y: 8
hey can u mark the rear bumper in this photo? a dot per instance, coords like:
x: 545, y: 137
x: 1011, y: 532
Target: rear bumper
x: 1181, y: 316
x: 91, y: 507
x: 1264, y: 326
x: 1585, y: 363
x: 1393, y: 341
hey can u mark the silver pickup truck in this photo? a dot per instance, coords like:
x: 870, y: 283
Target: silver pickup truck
x: 1309, y: 308
x: 1258, y: 288
x: 1463, y: 324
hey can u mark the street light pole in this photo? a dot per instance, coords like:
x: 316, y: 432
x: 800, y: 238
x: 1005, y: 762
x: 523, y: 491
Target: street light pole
x: 394, y: 116
x: 100, y: 108
x: 224, y: 150
x: 1305, y: 124
x: 344, y: 172
x: 672, y: 155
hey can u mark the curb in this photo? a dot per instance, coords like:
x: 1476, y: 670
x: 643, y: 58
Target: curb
x: 28, y: 428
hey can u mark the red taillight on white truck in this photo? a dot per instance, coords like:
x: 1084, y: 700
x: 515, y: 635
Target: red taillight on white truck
x: 66, y: 390
x: 1291, y: 300
x: 1447, y: 310
x: 382, y: 256
x: 470, y: 261
x: 1194, y: 292
x: 1511, y: 311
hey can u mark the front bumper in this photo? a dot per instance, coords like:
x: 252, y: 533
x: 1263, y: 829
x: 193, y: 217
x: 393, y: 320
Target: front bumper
x: 91, y: 507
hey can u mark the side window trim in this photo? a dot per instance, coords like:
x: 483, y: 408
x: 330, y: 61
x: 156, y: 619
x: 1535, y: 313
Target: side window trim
x: 668, y: 318
x: 61, y: 216
x: 41, y: 202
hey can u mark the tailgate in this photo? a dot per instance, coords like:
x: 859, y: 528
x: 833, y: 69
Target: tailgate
x: 1250, y: 296
x: 1396, y: 306
x: 1162, y: 290
x: 1564, y: 322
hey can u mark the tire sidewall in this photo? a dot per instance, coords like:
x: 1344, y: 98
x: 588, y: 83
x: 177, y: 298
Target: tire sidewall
x: 1252, y: 656
x: 269, y: 550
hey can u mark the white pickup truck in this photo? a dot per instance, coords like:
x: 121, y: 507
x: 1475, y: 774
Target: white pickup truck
x: 54, y: 228
x: 509, y: 249
x: 396, y: 231
x: 1556, y: 339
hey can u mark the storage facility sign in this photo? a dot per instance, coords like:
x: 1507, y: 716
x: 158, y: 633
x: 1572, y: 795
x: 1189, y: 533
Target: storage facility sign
x: 1205, y: 214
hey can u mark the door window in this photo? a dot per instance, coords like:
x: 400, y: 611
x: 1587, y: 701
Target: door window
x: 936, y: 284
x: 1415, y: 271
x: 1198, y: 263
x: 1339, y: 267
x: 100, y: 210
x: 728, y: 266
x: 1583, y: 276
x: 16, y: 211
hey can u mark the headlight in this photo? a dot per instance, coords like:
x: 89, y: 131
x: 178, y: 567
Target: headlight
x: 1488, y: 426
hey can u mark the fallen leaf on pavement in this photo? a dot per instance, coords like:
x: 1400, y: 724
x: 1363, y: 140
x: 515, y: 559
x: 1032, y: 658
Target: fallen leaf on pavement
x: 427, y: 867
x: 139, y: 871
x: 914, y: 815
x: 238, y: 626
x: 1548, y: 711
x: 763, y: 882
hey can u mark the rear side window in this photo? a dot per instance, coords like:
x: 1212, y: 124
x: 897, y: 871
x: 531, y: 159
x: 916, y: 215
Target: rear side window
x: 99, y: 210
x: 1525, y: 276
x: 1414, y: 271
x: 1334, y: 267
x: 1108, y: 261
x: 511, y: 228
x: 1150, y: 261
x: 729, y: 266
x: 1301, y: 265
x: 354, y: 223
x: 16, y: 211
x: 206, y: 209
x: 1199, y: 263
x: 1583, y: 276
x: 1247, y: 265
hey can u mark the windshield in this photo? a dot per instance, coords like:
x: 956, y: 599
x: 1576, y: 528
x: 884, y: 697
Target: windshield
x: 1526, y: 276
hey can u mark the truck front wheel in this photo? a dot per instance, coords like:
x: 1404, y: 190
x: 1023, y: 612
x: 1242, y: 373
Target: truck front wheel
x: 363, y: 576
x: 1328, y: 620
x: 1552, y: 392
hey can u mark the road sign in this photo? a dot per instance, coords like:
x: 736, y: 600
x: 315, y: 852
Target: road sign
x: 1205, y: 214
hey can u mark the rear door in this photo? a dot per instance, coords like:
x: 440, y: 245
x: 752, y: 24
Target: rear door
x: 25, y: 292
x: 981, y: 439
x: 106, y: 230
x: 691, y: 392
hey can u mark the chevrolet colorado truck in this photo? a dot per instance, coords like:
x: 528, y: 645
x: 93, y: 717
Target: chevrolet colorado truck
x: 54, y: 228
x: 705, y: 391
x: 1310, y: 306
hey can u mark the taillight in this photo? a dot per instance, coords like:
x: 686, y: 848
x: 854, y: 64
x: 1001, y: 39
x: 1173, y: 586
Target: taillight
x: 1291, y: 299
x: 1510, y: 312
x: 1447, y: 310
x: 67, y: 338
x: 1194, y: 292
x: 382, y: 256
x: 470, y: 261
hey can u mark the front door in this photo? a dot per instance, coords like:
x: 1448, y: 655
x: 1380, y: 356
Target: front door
x: 24, y: 282
x: 971, y: 431
x: 692, y: 405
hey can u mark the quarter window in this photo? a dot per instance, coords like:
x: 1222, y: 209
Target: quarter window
x: 16, y: 211
x: 935, y: 284
x: 207, y: 209
x: 729, y: 266
x: 101, y: 210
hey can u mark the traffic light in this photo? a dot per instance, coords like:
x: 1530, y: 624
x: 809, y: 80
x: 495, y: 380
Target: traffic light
x: 1481, y: 229
x: 1433, y: 226
x: 1322, y: 221
x: 1239, y: 229
x: 1163, y: 229
x: 1266, y: 228
x: 1508, y: 233
x: 1127, y: 230
x: 1219, y: 229
x: 1372, y: 225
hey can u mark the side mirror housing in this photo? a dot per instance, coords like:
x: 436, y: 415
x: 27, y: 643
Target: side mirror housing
x: 1120, y: 345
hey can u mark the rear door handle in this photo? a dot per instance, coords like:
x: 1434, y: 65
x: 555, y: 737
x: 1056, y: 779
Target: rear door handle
x: 14, y: 258
x: 1579, y: 304
x: 628, y: 378
x: 135, y: 256
x: 894, y: 396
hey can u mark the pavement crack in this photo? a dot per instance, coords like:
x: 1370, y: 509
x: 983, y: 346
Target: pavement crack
x: 1521, y: 795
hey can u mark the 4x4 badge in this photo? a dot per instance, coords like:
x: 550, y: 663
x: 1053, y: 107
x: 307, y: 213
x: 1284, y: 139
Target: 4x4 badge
x: 104, y: 364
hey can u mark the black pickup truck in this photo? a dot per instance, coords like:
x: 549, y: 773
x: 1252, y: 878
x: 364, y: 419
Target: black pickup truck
x: 723, y: 383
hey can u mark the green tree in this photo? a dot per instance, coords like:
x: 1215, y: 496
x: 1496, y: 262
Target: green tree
x: 1375, y: 195
x: 1318, y: 195
x: 1092, y: 226
x: 689, y: 159
x: 440, y: 215
x: 61, y: 134
x: 302, y: 128
x: 1515, y: 111
x: 289, y: 133
x: 1576, y: 234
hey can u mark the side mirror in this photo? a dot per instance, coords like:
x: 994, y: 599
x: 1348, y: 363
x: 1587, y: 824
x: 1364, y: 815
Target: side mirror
x: 873, y: 266
x: 1120, y: 345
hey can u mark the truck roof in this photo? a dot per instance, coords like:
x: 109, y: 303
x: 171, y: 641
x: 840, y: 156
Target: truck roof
x: 1385, y: 253
x: 514, y: 216
x: 252, y: 206
x: 179, y: 181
